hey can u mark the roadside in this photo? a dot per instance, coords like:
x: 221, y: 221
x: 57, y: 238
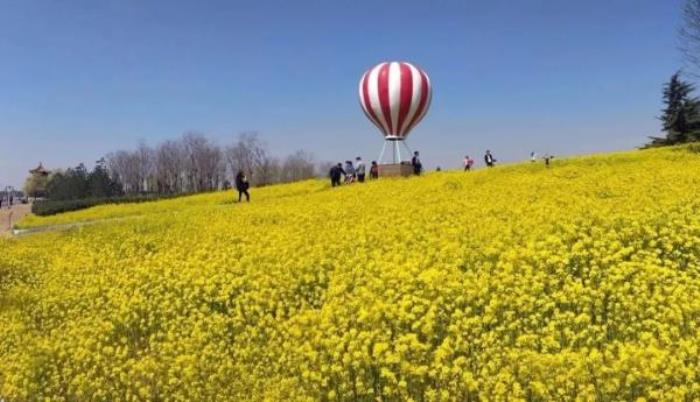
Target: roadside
x: 8, y: 217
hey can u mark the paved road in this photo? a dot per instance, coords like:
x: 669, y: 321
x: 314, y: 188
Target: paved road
x: 18, y: 211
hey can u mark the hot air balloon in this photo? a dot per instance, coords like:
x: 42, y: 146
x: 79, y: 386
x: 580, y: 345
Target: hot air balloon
x: 395, y: 96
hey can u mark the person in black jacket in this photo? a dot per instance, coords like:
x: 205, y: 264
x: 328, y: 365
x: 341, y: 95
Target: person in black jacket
x: 242, y: 186
x: 335, y: 173
x: 489, y: 159
x: 417, y: 165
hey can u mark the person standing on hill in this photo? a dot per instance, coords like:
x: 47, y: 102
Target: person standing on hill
x: 374, y: 171
x: 468, y: 163
x: 489, y: 159
x: 547, y: 158
x: 533, y: 157
x: 242, y: 186
x: 360, y: 169
x: 335, y: 173
x: 416, y: 163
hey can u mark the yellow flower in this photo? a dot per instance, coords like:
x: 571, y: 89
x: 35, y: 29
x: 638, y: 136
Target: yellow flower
x: 579, y: 282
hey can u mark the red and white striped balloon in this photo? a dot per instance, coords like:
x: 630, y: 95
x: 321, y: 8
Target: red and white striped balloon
x: 395, y: 96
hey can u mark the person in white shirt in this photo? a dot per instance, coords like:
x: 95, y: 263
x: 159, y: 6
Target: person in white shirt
x: 360, y: 169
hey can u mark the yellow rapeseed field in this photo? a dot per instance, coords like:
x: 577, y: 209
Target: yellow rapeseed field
x: 577, y: 282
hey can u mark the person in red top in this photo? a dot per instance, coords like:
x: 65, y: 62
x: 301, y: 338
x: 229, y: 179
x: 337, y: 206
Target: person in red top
x: 374, y: 171
x: 468, y: 163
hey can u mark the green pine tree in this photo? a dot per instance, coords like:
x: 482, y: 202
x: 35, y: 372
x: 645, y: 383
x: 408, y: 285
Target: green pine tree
x: 680, y: 115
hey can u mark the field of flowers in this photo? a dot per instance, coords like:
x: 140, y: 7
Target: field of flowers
x: 577, y: 282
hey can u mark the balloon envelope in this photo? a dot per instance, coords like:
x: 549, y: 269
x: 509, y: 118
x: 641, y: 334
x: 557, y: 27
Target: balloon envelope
x: 395, y: 96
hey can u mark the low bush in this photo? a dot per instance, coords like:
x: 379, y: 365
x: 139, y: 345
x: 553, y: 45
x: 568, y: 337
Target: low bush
x: 52, y: 207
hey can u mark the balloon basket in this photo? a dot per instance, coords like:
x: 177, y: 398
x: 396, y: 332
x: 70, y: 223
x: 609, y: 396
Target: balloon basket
x: 403, y: 169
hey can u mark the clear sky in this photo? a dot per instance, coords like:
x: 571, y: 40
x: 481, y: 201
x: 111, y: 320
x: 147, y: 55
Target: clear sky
x: 81, y: 78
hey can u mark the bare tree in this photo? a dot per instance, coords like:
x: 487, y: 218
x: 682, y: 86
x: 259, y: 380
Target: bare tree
x: 170, y: 160
x: 298, y: 166
x: 144, y: 159
x: 203, y: 162
x: 116, y: 167
x: 690, y: 34
x: 123, y: 167
x: 268, y: 171
x: 324, y: 168
x: 194, y: 163
x: 250, y: 155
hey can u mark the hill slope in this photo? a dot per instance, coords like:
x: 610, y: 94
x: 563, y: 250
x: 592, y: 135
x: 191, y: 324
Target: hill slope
x: 577, y: 281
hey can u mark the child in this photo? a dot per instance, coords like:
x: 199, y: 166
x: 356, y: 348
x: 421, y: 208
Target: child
x: 349, y: 172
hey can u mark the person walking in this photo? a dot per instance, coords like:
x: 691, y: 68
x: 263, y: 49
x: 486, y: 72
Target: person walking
x: 360, y: 169
x: 547, y: 158
x: 335, y: 173
x: 242, y: 186
x: 349, y: 172
x: 468, y: 163
x: 416, y: 163
x: 489, y: 159
x: 374, y: 171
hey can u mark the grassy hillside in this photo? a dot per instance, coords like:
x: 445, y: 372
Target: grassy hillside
x: 581, y: 281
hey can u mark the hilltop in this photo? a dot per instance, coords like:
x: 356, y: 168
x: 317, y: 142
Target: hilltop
x: 581, y: 280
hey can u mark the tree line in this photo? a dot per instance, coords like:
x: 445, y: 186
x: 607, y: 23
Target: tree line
x: 192, y: 163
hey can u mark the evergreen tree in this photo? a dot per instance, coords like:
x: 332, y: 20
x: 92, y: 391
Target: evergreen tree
x: 680, y: 115
x: 99, y: 182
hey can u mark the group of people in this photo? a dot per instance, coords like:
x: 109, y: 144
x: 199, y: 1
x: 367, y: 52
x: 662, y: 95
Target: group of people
x: 357, y: 172
x: 353, y: 172
x: 547, y: 158
x: 490, y: 161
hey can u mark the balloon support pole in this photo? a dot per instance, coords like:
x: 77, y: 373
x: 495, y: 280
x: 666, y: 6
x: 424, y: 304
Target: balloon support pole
x: 395, y: 146
x: 394, y: 167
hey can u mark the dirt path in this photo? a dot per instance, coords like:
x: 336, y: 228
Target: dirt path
x: 9, y: 217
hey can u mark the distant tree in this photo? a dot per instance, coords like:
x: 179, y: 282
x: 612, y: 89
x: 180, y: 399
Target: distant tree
x: 679, y: 117
x: 250, y: 155
x: 100, y: 184
x: 144, y: 158
x: 80, y: 188
x: 268, y: 171
x: 35, y: 186
x: 57, y: 187
x: 70, y: 184
x: 204, y: 162
x: 298, y: 166
x: 324, y: 168
x: 191, y: 163
x: 170, y: 161
x: 124, y: 168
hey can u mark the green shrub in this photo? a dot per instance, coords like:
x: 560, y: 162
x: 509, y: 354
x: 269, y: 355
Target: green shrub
x: 52, y: 207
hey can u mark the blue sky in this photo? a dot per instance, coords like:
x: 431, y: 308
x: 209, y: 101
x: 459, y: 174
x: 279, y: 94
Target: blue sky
x: 81, y: 78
